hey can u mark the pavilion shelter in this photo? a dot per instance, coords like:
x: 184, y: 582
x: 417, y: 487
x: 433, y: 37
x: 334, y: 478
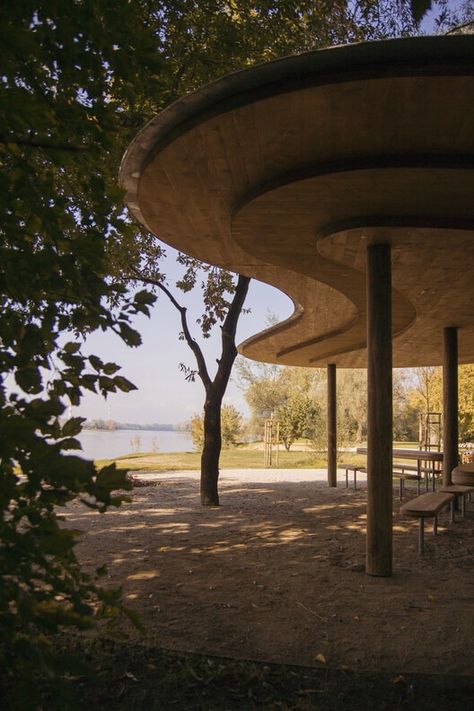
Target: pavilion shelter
x: 344, y: 177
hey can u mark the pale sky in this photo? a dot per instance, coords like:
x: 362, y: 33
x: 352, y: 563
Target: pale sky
x: 163, y: 395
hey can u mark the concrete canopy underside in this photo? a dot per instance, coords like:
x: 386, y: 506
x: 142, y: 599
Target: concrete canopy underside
x: 287, y: 171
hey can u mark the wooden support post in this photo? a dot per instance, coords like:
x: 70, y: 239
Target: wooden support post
x: 379, y: 410
x: 450, y: 402
x: 332, y: 425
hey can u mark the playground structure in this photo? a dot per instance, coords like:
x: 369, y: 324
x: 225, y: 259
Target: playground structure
x: 271, y: 443
x: 430, y: 431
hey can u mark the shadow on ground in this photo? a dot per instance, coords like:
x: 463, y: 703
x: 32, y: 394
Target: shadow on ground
x: 276, y: 574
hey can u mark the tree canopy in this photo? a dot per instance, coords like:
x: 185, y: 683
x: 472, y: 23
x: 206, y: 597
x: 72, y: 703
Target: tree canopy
x: 198, y: 43
x: 78, y: 79
x: 68, y: 69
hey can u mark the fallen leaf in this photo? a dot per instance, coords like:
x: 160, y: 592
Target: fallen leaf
x: 399, y: 679
x: 131, y: 676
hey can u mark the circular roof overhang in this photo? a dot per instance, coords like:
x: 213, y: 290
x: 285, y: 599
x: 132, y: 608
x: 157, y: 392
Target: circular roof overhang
x: 286, y: 171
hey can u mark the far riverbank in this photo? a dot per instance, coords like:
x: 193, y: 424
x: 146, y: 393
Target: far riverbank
x: 108, y: 444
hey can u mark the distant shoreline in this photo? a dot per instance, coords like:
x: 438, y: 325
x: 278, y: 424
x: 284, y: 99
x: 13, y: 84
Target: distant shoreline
x: 111, y: 425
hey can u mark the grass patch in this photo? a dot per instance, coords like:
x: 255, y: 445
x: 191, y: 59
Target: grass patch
x: 240, y: 457
x: 235, y: 458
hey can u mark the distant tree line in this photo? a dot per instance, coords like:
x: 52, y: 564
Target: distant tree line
x: 100, y: 424
x: 296, y: 397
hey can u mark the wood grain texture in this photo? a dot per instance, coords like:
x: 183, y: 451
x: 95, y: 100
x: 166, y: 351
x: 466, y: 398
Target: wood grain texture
x: 450, y: 403
x: 463, y: 474
x: 332, y: 424
x: 379, y: 411
x: 426, y: 505
x: 286, y: 171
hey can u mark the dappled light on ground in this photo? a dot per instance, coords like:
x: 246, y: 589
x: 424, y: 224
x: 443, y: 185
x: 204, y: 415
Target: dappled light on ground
x: 277, y: 573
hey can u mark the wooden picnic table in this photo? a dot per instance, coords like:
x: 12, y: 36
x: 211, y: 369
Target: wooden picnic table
x: 418, y: 455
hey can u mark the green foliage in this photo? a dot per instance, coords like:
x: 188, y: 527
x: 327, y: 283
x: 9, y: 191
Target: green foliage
x: 299, y: 418
x: 426, y: 395
x: 68, y: 71
x: 466, y: 403
x: 265, y: 389
x: 196, y: 424
x: 351, y: 406
x: 280, y: 391
x: 231, y: 427
x: 419, y: 8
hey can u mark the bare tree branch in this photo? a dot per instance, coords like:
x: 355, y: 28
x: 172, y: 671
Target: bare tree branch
x: 194, y: 346
x: 34, y: 143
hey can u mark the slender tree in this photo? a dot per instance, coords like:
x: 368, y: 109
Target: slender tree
x: 226, y: 312
x: 200, y: 42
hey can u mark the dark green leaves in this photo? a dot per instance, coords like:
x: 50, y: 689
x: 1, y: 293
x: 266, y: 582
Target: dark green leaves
x: 71, y: 73
x: 123, y: 384
x: 129, y: 335
x: 72, y: 427
x: 29, y: 379
x: 419, y: 8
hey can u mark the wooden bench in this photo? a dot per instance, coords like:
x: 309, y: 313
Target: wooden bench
x: 404, y: 476
x: 461, y: 492
x: 353, y: 468
x: 428, y: 506
x: 400, y: 468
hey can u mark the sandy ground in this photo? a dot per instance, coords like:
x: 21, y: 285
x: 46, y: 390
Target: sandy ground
x: 277, y: 573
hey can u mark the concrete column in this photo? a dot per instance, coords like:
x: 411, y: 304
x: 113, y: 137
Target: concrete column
x: 379, y: 410
x: 450, y: 402
x: 332, y: 425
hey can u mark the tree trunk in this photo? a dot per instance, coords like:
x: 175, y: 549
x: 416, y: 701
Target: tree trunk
x: 211, y: 450
x: 215, y: 389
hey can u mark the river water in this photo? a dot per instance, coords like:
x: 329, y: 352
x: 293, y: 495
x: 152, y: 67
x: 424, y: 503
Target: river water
x: 104, y: 444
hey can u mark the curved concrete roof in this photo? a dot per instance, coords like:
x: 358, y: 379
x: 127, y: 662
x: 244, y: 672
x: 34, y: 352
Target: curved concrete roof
x: 286, y: 171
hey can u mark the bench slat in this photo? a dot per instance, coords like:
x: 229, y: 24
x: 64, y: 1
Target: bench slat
x: 427, y: 504
x: 351, y: 467
x: 413, y: 468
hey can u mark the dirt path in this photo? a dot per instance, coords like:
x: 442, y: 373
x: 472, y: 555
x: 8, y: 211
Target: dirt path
x: 276, y: 573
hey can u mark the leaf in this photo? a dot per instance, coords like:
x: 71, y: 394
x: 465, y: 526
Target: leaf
x: 71, y: 347
x: 399, y: 679
x: 96, y: 363
x: 70, y: 443
x: 106, y: 384
x: 129, y: 335
x: 144, y: 297
x: 113, y: 478
x: 29, y: 379
x: 72, y: 427
x: 110, y: 368
x: 419, y: 8
x: 123, y: 384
